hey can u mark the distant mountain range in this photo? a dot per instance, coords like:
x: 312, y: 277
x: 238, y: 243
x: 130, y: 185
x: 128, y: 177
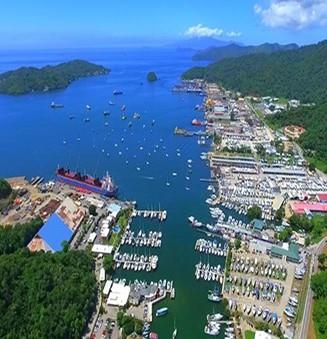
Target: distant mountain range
x: 197, y: 44
x: 298, y: 73
x: 234, y: 50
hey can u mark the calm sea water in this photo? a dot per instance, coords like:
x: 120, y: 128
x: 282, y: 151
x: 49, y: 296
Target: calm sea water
x: 35, y: 139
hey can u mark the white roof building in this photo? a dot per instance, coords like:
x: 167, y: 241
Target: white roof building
x: 104, y: 249
x: 92, y: 237
x: 118, y: 295
x: 107, y: 287
x: 102, y: 276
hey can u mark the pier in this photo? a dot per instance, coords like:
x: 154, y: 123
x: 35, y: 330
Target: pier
x: 142, y: 239
x: 161, y: 215
x: 210, y: 247
x: 209, y: 273
x: 136, y: 262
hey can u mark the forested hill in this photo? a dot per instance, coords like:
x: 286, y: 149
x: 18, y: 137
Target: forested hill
x: 30, y: 79
x: 314, y: 120
x: 234, y: 50
x: 296, y: 74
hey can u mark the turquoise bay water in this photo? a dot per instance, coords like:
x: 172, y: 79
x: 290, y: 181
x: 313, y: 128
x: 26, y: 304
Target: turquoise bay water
x: 34, y: 139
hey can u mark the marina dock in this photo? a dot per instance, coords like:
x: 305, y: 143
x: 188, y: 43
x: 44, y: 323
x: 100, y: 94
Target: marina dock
x: 161, y: 215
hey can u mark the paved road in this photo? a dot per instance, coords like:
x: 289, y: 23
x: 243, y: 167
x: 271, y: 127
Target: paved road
x: 308, y: 302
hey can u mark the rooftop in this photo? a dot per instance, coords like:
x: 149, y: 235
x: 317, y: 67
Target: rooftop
x: 290, y: 251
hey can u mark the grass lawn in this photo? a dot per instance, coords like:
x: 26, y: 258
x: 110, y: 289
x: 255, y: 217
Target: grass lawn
x: 249, y: 334
x: 321, y: 165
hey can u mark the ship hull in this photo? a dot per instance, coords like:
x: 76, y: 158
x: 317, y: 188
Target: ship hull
x: 87, y: 187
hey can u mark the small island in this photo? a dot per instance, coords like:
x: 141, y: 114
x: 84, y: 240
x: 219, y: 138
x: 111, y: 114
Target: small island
x: 152, y: 76
x: 31, y: 79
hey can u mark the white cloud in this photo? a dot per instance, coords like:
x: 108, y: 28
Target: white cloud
x: 200, y: 31
x: 296, y: 14
x: 233, y: 34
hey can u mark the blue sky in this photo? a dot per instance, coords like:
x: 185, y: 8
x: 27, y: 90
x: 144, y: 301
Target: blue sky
x: 105, y: 23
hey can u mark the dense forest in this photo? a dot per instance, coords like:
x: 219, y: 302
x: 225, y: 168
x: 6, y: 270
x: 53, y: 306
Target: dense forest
x: 43, y: 295
x: 14, y: 238
x: 314, y: 120
x: 5, y: 189
x: 296, y: 74
x: 234, y: 51
x: 31, y: 79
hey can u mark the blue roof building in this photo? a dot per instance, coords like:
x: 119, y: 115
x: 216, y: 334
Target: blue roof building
x: 54, y: 232
x: 258, y: 224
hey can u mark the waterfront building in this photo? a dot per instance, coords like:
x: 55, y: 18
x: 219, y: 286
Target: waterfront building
x: 289, y: 251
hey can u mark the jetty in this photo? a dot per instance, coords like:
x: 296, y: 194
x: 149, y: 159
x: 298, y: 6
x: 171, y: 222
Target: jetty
x: 142, y: 239
x: 136, y: 262
x: 209, y: 273
x: 210, y: 247
x: 161, y: 215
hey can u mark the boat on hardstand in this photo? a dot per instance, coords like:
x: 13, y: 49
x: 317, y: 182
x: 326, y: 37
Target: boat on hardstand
x: 161, y: 311
x: 104, y: 186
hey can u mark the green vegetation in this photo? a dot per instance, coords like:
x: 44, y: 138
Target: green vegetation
x: 122, y: 218
x: 217, y: 139
x: 152, y: 76
x: 285, y: 234
x: 237, y: 243
x: 249, y: 334
x: 319, y: 288
x: 129, y: 324
x: 254, y: 212
x: 314, y: 120
x: 30, y: 79
x: 108, y: 263
x: 14, y: 238
x: 5, y: 189
x: 280, y: 214
x: 46, y: 295
x: 234, y: 51
x: 264, y: 326
x: 303, y: 294
x: 93, y: 210
x: 316, y: 227
x: 295, y: 74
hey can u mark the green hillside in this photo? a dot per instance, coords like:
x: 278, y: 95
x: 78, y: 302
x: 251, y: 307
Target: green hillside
x: 297, y: 74
x: 30, y: 79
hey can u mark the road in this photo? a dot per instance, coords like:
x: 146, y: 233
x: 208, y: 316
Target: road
x: 318, y: 249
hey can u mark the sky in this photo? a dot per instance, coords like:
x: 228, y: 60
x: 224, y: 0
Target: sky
x: 107, y: 23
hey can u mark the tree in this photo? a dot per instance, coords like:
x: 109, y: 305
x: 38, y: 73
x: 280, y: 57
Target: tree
x: 280, y: 214
x: 285, y: 234
x: 322, y: 258
x: 312, y: 167
x: 254, y: 212
x: 93, y: 210
x: 217, y: 139
x: 108, y: 263
x: 5, y: 189
x: 52, y: 294
x: 237, y: 243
